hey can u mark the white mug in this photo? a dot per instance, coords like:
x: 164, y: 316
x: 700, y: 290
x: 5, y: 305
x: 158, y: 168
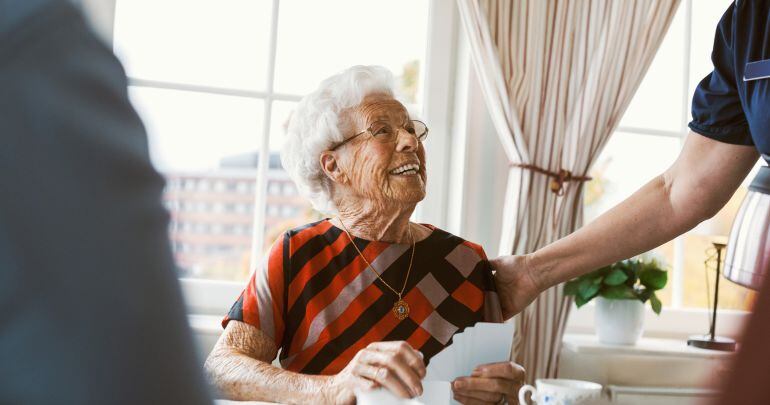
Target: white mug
x: 558, y: 391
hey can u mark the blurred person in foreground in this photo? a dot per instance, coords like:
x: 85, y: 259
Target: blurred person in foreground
x: 362, y: 299
x: 90, y: 309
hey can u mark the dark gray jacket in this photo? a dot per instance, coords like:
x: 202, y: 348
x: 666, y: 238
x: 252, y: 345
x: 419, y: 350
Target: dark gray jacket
x: 90, y: 308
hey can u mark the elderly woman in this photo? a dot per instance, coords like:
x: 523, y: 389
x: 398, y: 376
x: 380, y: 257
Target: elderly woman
x: 361, y: 300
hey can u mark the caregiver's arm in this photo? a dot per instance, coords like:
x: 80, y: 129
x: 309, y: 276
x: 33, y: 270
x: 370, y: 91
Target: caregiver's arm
x: 239, y: 366
x: 693, y: 189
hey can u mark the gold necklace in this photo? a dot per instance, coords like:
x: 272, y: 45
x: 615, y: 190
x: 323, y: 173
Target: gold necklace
x: 400, y: 308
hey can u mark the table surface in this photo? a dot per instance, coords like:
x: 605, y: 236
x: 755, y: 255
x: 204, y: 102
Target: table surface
x: 228, y: 402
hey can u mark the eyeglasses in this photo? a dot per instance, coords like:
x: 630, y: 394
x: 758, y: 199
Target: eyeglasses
x: 383, y: 131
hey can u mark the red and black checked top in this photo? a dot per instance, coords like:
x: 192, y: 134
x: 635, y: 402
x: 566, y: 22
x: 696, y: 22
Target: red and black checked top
x: 316, y: 298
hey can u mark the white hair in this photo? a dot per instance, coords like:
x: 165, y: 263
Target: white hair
x: 313, y: 128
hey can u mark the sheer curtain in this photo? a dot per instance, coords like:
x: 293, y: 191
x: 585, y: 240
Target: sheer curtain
x: 557, y: 76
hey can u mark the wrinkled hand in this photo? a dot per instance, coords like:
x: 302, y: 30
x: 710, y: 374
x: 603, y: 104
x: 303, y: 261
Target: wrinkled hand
x: 490, y: 384
x: 393, y: 365
x: 515, y: 284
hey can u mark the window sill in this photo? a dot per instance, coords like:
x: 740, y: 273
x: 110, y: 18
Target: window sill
x: 654, y: 347
x: 205, y: 324
x: 205, y: 330
x: 209, y: 297
x: 672, y: 323
x: 653, y: 362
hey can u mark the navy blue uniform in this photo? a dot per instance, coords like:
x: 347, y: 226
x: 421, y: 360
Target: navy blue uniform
x: 725, y: 107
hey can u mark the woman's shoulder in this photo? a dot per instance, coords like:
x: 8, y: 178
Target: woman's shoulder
x: 316, y: 227
x: 463, y: 245
x: 315, y: 232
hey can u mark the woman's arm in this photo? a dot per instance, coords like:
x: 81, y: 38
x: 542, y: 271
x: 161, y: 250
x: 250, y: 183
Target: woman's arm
x: 240, y: 367
x: 693, y: 189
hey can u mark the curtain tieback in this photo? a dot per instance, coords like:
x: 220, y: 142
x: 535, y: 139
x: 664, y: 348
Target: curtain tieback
x: 558, y: 178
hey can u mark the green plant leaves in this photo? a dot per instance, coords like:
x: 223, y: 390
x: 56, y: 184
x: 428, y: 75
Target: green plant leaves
x: 615, y: 277
x: 631, y: 270
x: 656, y: 304
x: 618, y: 292
x: 644, y: 294
x: 626, y: 279
x: 571, y: 287
x: 603, y: 271
x: 653, y: 278
x: 587, y: 289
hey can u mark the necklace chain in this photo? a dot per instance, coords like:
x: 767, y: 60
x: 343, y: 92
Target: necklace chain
x: 411, y: 258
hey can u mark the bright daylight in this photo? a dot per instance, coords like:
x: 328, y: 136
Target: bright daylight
x: 378, y: 202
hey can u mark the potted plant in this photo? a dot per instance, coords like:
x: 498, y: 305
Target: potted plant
x: 620, y: 289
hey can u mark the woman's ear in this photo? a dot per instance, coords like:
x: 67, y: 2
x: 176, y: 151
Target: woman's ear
x: 332, y: 169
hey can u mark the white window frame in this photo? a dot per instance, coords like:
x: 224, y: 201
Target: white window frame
x: 214, y: 297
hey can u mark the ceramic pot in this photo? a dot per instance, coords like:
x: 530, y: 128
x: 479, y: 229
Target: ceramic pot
x: 619, y: 322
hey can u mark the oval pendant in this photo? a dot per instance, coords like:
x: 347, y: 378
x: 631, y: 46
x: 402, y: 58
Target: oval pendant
x: 401, y: 309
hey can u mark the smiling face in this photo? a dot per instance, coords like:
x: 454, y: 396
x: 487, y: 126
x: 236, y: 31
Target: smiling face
x: 382, y: 172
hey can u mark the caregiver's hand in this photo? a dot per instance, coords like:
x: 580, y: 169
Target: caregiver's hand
x: 490, y: 384
x: 393, y: 365
x: 516, y: 285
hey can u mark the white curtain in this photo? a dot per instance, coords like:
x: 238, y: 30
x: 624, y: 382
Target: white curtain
x: 557, y: 76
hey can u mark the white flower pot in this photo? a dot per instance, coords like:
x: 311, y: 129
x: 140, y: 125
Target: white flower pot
x: 619, y: 322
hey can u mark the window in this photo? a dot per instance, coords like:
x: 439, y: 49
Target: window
x: 648, y: 141
x: 215, y: 100
x: 274, y: 188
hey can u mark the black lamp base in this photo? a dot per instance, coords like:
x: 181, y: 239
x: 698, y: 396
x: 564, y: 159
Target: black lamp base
x: 716, y: 343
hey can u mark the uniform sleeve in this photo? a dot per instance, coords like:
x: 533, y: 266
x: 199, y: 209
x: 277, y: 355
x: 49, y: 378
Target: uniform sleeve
x: 262, y: 302
x: 717, y: 112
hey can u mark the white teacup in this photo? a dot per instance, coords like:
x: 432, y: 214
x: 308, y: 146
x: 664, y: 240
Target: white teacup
x: 558, y: 391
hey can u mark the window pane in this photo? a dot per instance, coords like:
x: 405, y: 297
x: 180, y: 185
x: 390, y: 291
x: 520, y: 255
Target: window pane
x: 285, y: 208
x: 197, y: 131
x: 205, y: 145
x: 201, y: 42
x: 628, y: 162
x: 211, y: 223
x: 657, y: 103
x: 697, y: 293
x: 350, y: 32
x: 665, y: 254
x: 705, y: 17
x: 699, y: 248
